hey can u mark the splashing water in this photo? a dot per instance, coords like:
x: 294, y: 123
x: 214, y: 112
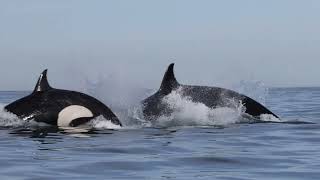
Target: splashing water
x: 115, y: 91
x: 189, y: 113
x: 124, y: 98
x: 126, y: 105
x: 8, y: 119
x: 269, y: 118
x: 101, y: 123
x: 254, y: 89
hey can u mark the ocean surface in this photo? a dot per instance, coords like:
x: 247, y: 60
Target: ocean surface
x: 192, y: 147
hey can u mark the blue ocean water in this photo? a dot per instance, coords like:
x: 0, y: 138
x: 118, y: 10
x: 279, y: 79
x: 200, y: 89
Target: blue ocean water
x: 234, y: 151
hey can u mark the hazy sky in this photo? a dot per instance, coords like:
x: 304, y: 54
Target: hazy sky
x: 211, y: 42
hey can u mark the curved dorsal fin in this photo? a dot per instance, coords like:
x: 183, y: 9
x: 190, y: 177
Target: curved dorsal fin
x: 169, y: 81
x: 42, y: 84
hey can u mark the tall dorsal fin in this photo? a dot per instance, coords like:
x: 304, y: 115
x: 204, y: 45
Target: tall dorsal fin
x: 169, y: 81
x: 42, y: 84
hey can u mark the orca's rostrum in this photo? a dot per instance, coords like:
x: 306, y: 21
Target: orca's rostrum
x: 59, y: 107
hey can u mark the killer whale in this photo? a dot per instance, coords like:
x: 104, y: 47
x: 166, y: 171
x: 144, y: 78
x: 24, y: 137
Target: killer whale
x: 212, y: 97
x: 59, y: 107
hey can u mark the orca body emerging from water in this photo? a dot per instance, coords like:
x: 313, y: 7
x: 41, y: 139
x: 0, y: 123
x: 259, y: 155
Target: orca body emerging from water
x: 59, y: 107
x: 212, y: 97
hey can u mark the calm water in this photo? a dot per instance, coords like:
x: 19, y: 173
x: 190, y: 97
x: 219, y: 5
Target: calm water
x: 237, y: 151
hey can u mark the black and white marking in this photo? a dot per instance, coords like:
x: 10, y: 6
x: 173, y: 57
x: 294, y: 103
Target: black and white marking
x: 59, y: 107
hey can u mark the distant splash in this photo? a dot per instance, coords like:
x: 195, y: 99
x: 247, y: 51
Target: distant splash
x: 254, y: 89
x: 115, y: 90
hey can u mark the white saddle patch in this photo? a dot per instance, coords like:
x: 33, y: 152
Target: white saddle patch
x: 70, y: 113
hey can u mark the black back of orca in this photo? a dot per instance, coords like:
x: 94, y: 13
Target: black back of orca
x: 51, y: 106
x: 212, y: 97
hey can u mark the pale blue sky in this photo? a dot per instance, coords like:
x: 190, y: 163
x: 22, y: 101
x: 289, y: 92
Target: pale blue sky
x: 212, y: 42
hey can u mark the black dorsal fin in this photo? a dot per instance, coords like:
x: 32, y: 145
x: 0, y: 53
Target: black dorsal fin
x: 169, y: 81
x: 42, y: 84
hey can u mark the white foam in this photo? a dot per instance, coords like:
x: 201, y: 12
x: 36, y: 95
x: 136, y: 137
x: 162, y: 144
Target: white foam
x: 8, y: 119
x: 269, y: 118
x: 189, y: 113
x: 101, y: 123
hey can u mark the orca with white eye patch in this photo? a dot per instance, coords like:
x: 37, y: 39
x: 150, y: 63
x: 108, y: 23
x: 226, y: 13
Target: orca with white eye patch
x: 59, y: 107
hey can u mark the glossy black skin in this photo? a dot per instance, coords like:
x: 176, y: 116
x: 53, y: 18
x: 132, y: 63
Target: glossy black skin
x: 45, y: 106
x: 212, y: 97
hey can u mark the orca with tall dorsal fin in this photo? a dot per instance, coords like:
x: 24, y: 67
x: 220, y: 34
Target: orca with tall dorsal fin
x: 59, y: 107
x: 212, y: 97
